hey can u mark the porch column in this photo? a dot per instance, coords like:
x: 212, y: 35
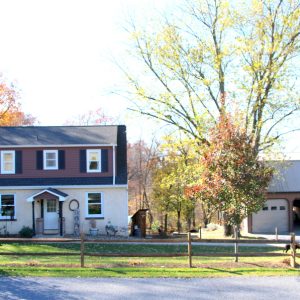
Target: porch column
x: 42, y: 208
x: 114, y: 165
x: 60, y: 213
x: 33, y: 218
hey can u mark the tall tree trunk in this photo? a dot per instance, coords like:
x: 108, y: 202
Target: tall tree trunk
x: 189, y: 223
x: 166, y: 223
x: 194, y: 218
x: 228, y: 228
x: 205, y: 221
x: 205, y: 216
x: 178, y: 221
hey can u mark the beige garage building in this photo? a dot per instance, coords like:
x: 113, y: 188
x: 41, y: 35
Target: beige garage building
x: 282, y: 208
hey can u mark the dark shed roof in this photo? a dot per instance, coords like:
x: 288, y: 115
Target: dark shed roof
x: 59, y: 135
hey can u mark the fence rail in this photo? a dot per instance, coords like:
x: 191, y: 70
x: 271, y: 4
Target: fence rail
x: 40, y: 253
x: 139, y: 241
x: 189, y: 253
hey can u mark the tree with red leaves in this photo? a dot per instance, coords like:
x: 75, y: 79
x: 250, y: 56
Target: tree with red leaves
x: 234, y: 179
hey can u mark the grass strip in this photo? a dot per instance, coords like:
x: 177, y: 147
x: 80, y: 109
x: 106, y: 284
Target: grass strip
x: 146, y: 272
x: 127, y: 248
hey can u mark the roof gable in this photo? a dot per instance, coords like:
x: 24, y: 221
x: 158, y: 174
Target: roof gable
x: 61, y: 196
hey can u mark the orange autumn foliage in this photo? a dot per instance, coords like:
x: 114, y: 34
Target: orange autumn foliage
x: 11, y: 113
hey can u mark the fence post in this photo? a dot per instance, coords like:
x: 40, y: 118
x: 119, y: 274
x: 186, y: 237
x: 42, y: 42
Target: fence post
x: 200, y: 233
x: 293, y: 251
x: 190, y: 249
x: 82, y: 250
x: 236, y: 245
x: 276, y: 233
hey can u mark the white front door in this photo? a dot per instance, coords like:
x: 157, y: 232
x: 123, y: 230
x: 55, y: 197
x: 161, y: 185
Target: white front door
x: 51, y: 214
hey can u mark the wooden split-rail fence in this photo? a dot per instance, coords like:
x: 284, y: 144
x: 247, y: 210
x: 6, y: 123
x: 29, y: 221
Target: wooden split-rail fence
x: 189, y: 253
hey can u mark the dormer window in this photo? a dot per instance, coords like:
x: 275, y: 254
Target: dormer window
x: 50, y: 160
x: 7, y: 162
x: 93, y: 162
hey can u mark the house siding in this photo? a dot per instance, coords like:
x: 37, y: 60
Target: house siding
x: 71, y: 166
x: 112, y: 198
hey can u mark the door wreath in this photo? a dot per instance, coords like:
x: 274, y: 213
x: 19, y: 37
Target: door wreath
x: 73, y: 204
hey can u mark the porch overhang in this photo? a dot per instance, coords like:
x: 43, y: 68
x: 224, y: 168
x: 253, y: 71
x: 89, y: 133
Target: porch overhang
x: 61, y: 196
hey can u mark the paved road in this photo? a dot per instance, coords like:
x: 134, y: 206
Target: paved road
x: 283, y: 288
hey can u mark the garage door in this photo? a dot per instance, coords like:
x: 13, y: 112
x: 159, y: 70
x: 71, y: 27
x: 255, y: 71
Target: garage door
x: 274, y: 214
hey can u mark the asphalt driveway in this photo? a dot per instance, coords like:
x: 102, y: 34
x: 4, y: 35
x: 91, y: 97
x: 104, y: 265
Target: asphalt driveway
x: 114, y: 288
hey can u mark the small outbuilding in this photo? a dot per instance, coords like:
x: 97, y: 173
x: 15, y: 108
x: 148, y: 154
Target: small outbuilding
x: 138, y: 223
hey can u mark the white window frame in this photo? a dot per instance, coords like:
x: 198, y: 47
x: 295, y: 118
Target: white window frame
x: 45, y: 152
x: 88, y: 151
x: 13, y: 171
x: 87, y: 205
x: 7, y: 217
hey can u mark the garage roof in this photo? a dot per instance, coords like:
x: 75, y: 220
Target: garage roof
x: 286, y: 178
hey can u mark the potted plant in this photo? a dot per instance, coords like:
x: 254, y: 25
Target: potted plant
x: 93, y: 228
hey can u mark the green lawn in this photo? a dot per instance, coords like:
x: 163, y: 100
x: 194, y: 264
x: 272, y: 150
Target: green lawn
x: 138, y: 266
x: 145, y: 272
x: 127, y: 248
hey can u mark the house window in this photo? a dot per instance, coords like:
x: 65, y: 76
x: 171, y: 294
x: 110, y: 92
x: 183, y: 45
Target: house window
x: 7, y: 162
x: 94, y: 205
x: 50, y: 159
x: 282, y: 208
x: 93, y: 160
x: 265, y: 208
x: 273, y: 207
x: 7, y: 207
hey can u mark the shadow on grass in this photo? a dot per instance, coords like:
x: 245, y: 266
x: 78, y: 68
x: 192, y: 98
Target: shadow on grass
x: 253, y: 237
x: 111, y: 270
x: 225, y: 271
x: 4, y: 273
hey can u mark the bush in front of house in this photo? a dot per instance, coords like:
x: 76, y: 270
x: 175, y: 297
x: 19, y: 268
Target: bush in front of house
x: 26, y: 232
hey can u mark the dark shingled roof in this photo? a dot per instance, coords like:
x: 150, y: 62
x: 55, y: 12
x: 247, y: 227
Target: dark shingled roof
x: 58, y: 135
x: 57, y: 192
